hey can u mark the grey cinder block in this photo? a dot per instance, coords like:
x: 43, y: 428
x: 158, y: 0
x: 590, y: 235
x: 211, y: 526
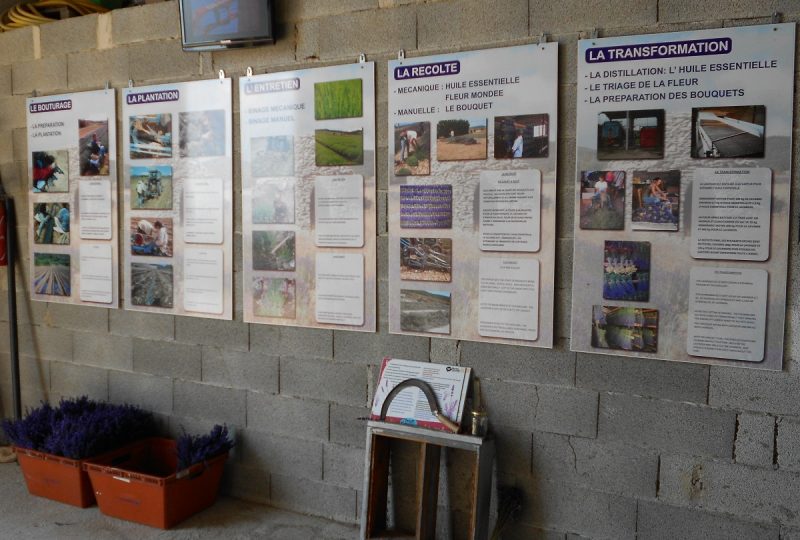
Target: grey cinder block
x: 167, y: 358
x: 217, y: 333
x: 214, y: 403
x: 666, y: 425
x: 70, y: 380
x: 366, y: 348
x: 658, y: 521
x: 470, y: 22
x: 240, y: 369
x: 317, y: 498
x: 753, y: 494
x: 325, y: 380
x: 755, y: 439
x: 296, y: 417
x: 523, y: 364
x: 46, y: 75
x: 669, y: 380
x: 145, y: 23
x: 343, y: 465
x: 149, y: 392
x: 69, y: 35
x: 103, y: 350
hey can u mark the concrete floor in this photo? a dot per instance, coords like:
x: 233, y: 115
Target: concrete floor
x: 24, y: 516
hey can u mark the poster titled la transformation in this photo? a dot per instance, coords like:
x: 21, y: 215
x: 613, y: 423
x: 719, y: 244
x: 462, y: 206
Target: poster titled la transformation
x: 72, y: 214
x: 472, y: 194
x: 682, y: 195
x: 308, y: 187
x: 178, y: 193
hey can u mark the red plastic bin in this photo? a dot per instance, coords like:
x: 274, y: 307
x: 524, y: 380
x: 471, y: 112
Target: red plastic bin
x: 139, y: 483
x: 55, y: 477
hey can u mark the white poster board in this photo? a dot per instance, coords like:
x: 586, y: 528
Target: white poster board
x: 472, y: 194
x: 72, y: 210
x: 682, y: 195
x: 178, y: 193
x: 308, y: 197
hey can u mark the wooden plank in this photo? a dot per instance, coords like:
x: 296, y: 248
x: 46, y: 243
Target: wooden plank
x: 378, y: 486
x: 427, y: 490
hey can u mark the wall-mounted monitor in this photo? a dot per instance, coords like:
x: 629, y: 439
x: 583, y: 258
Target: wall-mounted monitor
x: 218, y: 24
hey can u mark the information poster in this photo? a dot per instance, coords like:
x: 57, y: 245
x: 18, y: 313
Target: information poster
x: 178, y: 193
x: 472, y: 194
x: 682, y: 195
x: 72, y: 209
x: 308, y: 189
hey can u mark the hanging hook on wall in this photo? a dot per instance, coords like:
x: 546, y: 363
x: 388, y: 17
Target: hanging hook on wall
x: 362, y: 58
x: 249, y: 71
x: 542, y: 38
x: 401, y: 54
x: 130, y: 83
x: 777, y: 17
x: 221, y: 75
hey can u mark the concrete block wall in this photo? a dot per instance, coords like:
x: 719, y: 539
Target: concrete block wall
x: 602, y: 447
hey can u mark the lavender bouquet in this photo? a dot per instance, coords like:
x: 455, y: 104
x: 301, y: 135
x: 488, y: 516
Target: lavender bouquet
x: 79, y: 428
x: 198, y: 448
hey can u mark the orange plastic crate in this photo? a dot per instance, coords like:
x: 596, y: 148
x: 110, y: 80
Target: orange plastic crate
x: 55, y: 477
x: 139, y: 483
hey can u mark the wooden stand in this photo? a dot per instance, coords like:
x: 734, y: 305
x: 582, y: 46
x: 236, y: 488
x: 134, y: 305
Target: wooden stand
x: 376, y: 479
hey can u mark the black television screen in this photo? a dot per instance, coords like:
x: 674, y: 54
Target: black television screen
x: 217, y: 24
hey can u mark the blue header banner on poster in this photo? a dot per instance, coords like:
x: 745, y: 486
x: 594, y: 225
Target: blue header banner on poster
x: 655, y: 51
x: 435, y: 69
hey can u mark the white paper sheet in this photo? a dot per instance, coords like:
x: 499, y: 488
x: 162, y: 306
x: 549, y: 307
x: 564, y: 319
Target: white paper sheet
x: 731, y: 214
x: 203, y: 211
x: 509, y: 298
x: 95, y: 209
x: 339, y: 211
x: 727, y: 313
x: 340, y: 288
x: 203, y: 280
x: 97, y: 273
x: 510, y: 210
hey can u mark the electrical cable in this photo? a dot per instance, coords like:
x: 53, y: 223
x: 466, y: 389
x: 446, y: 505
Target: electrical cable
x: 36, y: 13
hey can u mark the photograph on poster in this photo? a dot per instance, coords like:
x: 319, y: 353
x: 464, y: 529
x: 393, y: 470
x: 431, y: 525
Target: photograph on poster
x: 338, y: 99
x: 151, y: 187
x: 272, y: 156
x: 461, y: 139
x: 426, y: 259
x: 273, y: 250
x: 274, y: 297
x: 728, y: 132
x: 51, y: 274
x: 94, y: 159
x: 426, y: 207
x: 412, y: 149
x: 151, y: 136
x: 630, y: 134
x: 50, y: 171
x: 626, y: 271
x: 425, y: 311
x: 655, y: 200
x: 202, y: 133
x: 522, y: 136
x: 625, y: 328
x: 602, y: 202
x: 337, y: 147
x: 273, y: 201
x: 151, y: 285
x: 51, y: 223
x: 151, y: 237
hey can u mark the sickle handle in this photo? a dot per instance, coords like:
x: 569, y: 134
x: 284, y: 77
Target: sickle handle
x: 449, y: 424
